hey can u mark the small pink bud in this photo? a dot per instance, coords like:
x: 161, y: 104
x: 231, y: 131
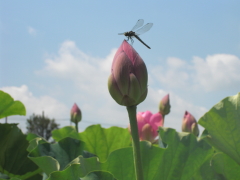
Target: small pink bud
x: 164, y: 105
x: 76, y: 115
x: 127, y: 83
x: 189, y: 124
x: 148, y: 124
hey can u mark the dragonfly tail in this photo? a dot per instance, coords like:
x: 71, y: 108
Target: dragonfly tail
x: 141, y: 41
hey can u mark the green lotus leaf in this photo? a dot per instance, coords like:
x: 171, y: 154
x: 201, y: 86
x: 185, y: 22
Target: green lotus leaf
x: 180, y: 160
x: 13, y: 154
x: 222, y: 124
x: 67, y: 131
x: 99, y: 175
x: 102, y: 142
x: 55, y: 157
x: 219, y: 166
x: 9, y: 107
x: 206, y: 171
x: 70, y: 173
x: 99, y: 141
x: 35, y: 142
x: 31, y: 136
x: 184, y: 154
x: 226, y: 166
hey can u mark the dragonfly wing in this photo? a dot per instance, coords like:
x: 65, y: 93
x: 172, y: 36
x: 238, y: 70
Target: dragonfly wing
x: 120, y: 33
x: 144, y: 29
x: 138, y: 24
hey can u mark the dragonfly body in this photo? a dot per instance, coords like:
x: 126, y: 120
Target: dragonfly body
x: 132, y: 33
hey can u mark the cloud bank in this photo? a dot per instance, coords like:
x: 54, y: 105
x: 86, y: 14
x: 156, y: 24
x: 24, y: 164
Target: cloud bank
x: 35, y: 105
x: 90, y: 75
x: 217, y: 72
x: 88, y: 88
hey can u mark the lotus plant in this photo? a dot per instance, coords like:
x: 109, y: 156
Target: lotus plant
x: 148, y: 125
x: 127, y: 85
x: 76, y: 115
x: 189, y: 124
x: 164, y: 105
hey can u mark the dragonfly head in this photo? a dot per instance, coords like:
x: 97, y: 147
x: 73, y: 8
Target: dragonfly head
x: 130, y: 33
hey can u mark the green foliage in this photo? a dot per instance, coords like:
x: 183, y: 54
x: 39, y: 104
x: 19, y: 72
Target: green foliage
x: 98, y: 175
x: 67, y: 131
x: 181, y: 159
x: 9, y: 107
x: 98, y: 140
x: 218, y: 167
x: 13, y: 154
x: 41, y: 126
x: 106, y: 154
x: 222, y: 125
x: 31, y: 136
x: 206, y: 171
x: 102, y: 142
x: 184, y: 154
x: 55, y: 157
x: 225, y: 166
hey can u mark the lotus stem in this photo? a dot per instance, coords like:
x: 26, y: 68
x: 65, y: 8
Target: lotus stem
x: 76, y: 126
x: 132, y: 110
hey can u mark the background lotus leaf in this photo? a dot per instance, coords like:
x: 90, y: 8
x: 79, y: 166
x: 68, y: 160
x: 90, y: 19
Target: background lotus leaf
x: 67, y: 131
x: 55, y: 157
x: 9, y: 107
x: 181, y: 159
x: 222, y: 123
x: 13, y: 154
x: 99, y: 141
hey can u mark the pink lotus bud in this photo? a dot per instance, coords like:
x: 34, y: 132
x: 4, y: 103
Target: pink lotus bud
x: 148, y: 124
x: 127, y: 83
x: 189, y: 124
x: 76, y: 115
x: 164, y: 105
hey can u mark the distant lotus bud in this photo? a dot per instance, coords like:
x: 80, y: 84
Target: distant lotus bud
x: 76, y: 115
x: 164, y: 105
x: 148, y: 124
x: 189, y: 124
x: 127, y: 83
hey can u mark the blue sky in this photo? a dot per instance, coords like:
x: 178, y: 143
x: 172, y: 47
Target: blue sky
x: 55, y: 53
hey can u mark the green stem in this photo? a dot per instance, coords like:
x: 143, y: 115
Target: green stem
x: 163, y: 116
x: 160, y: 138
x: 136, y: 145
x: 76, y: 126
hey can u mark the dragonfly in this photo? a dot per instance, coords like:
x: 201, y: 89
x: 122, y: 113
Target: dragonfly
x: 135, y: 33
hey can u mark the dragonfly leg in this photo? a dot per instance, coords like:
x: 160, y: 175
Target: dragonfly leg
x: 132, y: 41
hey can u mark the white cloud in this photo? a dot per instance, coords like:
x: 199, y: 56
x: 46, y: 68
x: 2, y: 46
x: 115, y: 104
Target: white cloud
x: 32, y: 31
x: 51, y: 107
x: 89, y: 90
x: 90, y: 76
x: 36, y: 105
x: 214, y: 73
x: 175, y: 74
x: 220, y: 71
x: 176, y: 63
x: 71, y: 63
